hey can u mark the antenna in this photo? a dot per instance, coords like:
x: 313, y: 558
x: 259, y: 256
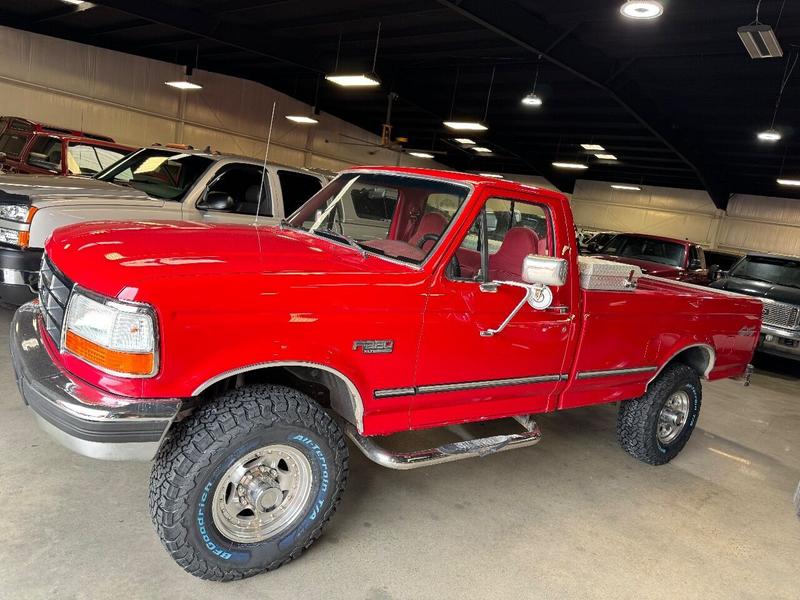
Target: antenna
x: 264, y: 169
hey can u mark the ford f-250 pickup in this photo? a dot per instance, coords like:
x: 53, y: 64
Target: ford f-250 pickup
x: 241, y: 356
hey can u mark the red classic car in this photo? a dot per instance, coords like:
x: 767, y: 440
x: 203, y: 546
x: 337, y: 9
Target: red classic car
x: 670, y: 258
x: 395, y: 299
x: 29, y: 147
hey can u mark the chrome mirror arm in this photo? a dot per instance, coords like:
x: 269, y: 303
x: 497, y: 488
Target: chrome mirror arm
x: 533, y: 296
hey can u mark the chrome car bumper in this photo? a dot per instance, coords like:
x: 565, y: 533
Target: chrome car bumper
x: 80, y: 416
x: 780, y: 342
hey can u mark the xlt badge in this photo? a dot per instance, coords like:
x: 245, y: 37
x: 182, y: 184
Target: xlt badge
x: 374, y: 346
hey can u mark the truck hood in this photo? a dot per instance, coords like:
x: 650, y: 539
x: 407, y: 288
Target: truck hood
x: 648, y: 267
x: 108, y: 257
x: 760, y: 289
x: 48, y: 190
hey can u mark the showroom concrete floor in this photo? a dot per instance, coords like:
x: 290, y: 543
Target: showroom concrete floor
x: 573, y: 517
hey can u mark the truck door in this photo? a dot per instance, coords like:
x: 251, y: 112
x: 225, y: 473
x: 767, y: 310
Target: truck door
x: 463, y: 375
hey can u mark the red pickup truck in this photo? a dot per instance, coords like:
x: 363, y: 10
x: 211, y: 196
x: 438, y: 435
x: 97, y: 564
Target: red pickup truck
x: 34, y: 148
x: 395, y: 299
x: 670, y: 258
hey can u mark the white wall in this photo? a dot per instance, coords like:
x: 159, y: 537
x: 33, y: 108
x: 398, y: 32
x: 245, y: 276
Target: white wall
x: 124, y: 96
x: 752, y: 223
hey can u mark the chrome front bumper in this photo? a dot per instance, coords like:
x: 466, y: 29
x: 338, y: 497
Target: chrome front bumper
x: 780, y: 342
x: 81, y: 417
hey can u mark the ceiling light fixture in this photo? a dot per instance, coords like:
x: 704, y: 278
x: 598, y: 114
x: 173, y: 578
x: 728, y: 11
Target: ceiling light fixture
x: 466, y: 125
x: 532, y: 99
x: 73, y: 2
x: 356, y: 79
x: 492, y: 175
x: 570, y: 165
x: 593, y: 147
x: 421, y: 154
x: 185, y: 83
x: 770, y: 135
x: 630, y: 188
x: 302, y: 119
x: 759, y: 39
x: 792, y: 182
x: 482, y: 149
x: 606, y: 156
x: 642, y: 9
x: 465, y: 141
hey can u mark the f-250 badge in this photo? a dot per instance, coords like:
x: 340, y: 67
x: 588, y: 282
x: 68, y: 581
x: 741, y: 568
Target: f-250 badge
x: 374, y: 346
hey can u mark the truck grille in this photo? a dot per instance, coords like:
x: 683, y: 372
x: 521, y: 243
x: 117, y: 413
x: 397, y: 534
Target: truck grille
x: 779, y: 314
x: 54, y: 291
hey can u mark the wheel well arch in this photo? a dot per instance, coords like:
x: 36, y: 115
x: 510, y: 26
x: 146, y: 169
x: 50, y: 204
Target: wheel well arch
x: 700, y: 357
x: 342, y: 395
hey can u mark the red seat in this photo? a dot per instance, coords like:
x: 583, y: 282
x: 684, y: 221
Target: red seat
x: 431, y: 222
x: 506, y: 263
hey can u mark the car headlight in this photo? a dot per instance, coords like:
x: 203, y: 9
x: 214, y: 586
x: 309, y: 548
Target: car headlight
x: 117, y: 337
x: 18, y: 213
x: 15, y: 212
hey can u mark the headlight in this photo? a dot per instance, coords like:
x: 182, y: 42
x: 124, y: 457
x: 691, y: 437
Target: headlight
x: 117, y: 337
x: 15, y: 212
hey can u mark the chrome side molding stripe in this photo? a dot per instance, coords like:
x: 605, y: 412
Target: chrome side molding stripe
x: 467, y: 385
x: 613, y: 372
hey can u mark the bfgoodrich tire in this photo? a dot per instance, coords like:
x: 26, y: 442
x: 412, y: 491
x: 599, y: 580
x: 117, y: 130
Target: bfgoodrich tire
x: 247, y: 482
x: 655, y: 427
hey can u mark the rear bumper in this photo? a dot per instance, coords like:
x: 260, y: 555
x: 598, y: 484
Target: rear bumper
x: 79, y: 416
x: 780, y: 342
x: 19, y: 271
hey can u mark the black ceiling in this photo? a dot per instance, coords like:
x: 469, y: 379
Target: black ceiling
x: 677, y: 100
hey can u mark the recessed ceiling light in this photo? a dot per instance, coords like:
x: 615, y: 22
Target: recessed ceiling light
x: 421, y: 154
x: 492, y: 175
x: 593, y: 147
x: 630, y: 188
x: 532, y: 100
x: 570, y: 165
x: 184, y: 84
x: 466, y: 125
x: 770, y: 135
x: 355, y: 80
x: 794, y: 182
x: 642, y: 9
x: 301, y: 119
x: 482, y: 149
x: 465, y: 141
x: 606, y: 156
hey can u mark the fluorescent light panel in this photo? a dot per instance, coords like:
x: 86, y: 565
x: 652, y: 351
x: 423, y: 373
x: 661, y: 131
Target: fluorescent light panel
x: 792, y: 182
x: 466, y: 125
x: 354, y: 80
x: 760, y: 41
x: 570, y: 165
x: 492, y: 175
x: 593, y: 147
x: 421, y: 154
x: 465, y: 141
x: 184, y: 84
x: 73, y: 2
x: 642, y: 9
x: 482, y: 149
x: 606, y: 156
x: 532, y: 100
x: 630, y: 188
x: 302, y: 119
x: 770, y: 135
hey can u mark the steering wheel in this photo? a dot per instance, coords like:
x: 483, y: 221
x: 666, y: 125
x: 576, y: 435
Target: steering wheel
x: 454, y: 267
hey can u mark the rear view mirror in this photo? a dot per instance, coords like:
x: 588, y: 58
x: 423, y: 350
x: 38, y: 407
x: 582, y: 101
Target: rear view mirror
x: 544, y: 270
x: 216, y: 201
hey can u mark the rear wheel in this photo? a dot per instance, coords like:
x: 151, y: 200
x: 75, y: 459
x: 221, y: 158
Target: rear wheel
x: 247, y: 482
x: 656, y: 426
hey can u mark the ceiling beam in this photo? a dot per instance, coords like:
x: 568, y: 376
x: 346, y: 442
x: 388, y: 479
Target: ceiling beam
x: 529, y: 31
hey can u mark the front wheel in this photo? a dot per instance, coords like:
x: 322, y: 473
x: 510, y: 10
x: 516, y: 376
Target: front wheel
x: 247, y: 482
x: 655, y: 427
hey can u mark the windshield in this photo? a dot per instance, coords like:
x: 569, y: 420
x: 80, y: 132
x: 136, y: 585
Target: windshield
x: 401, y: 217
x: 158, y: 172
x: 642, y: 248
x: 778, y: 271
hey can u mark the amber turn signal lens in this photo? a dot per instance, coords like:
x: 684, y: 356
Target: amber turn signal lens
x: 24, y: 237
x: 112, y: 360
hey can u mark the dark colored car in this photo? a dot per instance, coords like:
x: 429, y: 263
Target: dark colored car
x: 670, y: 258
x: 719, y: 262
x: 775, y: 279
x: 35, y: 148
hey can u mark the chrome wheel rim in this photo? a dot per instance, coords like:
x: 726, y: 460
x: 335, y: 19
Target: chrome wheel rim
x: 673, y: 416
x: 262, y: 494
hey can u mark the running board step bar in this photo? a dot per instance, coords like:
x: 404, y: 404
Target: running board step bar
x: 447, y: 453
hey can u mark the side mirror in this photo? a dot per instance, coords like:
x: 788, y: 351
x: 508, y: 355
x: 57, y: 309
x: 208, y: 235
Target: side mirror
x: 695, y: 264
x: 216, y: 201
x: 3, y: 157
x: 544, y: 270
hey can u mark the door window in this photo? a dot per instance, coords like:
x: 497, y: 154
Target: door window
x: 88, y: 159
x: 45, y: 153
x: 12, y: 143
x: 505, y: 232
x: 297, y: 188
x: 242, y: 183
